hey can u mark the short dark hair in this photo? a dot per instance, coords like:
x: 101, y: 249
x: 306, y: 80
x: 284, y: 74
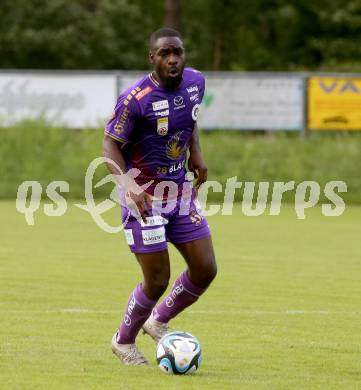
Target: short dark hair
x: 163, y: 32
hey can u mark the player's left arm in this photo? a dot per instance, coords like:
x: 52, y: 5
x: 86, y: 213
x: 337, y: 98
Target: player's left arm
x: 196, y: 163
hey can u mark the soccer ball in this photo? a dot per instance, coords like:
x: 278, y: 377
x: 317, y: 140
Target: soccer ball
x: 178, y: 353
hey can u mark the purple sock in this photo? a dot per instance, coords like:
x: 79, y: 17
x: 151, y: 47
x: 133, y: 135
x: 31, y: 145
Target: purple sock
x: 184, y: 293
x: 138, y: 310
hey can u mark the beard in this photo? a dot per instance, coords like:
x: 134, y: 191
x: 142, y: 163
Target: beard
x: 173, y: 82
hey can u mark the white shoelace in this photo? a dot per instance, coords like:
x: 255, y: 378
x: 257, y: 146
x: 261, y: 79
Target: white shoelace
x: 134, y: 356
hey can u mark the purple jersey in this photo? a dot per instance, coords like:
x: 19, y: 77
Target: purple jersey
x: 155, y: 125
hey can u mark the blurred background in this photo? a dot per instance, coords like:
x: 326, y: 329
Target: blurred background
x: 283, y: 91
x: 219, y: 34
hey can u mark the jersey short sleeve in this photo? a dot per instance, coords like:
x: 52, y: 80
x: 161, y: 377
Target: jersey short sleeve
x: 122, y: 124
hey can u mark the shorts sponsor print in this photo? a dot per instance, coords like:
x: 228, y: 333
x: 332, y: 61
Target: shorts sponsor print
x: 174, y: 226
x: 153, y: 236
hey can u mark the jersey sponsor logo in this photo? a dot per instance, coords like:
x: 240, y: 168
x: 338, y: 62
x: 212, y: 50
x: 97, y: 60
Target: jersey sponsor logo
x: 193, y: 88
x: 194, y: 97
x: 155, y: 220
x: 162, y: 126
x: 160, y: 105
x: 195, y: 111
x: 178, y: 100
x: 153, y: 236
x: 129, y: 236
x: 119, y: 127
x: 143, y: 92
x: 162, y: 113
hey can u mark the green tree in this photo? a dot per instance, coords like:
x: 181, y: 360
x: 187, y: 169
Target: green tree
x: 219, y: 34
x: 76, y: 34
x: 341, y: 32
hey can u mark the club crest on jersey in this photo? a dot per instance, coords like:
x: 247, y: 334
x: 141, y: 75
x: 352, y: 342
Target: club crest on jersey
x: 175, y: 149
x: 162, y: 126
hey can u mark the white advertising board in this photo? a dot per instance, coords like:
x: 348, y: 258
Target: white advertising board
x: 73, y: 100
x: 249, y: 103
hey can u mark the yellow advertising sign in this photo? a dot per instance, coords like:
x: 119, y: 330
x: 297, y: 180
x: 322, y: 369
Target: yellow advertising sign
x: 334, y: 103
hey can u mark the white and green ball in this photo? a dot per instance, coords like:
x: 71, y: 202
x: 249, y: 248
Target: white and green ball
x: 178, y: 353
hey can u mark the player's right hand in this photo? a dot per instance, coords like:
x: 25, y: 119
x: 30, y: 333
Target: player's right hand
x: 139, y: 202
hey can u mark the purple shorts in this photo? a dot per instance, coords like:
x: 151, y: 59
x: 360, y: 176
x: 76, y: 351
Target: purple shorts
x: 176, y: 221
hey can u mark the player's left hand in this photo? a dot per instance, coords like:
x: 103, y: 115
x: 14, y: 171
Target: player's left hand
x: 197, y: 165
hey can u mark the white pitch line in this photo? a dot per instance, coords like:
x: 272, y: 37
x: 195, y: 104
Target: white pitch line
x: 80, y: 310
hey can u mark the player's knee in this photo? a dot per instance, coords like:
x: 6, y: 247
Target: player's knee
x: 161, y: 285
x: 205, y: 275
x: 158, y: 288
x: 210, y: 273
x: 157, y: 285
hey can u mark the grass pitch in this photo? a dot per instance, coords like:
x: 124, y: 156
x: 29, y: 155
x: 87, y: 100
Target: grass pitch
x: 283, y: 313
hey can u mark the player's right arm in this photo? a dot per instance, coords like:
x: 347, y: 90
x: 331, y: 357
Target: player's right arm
x: 117, y: 131
x: 134, y: 194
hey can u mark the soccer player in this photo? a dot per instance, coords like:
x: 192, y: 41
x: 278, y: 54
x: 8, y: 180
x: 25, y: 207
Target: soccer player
x: 154, y: 130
